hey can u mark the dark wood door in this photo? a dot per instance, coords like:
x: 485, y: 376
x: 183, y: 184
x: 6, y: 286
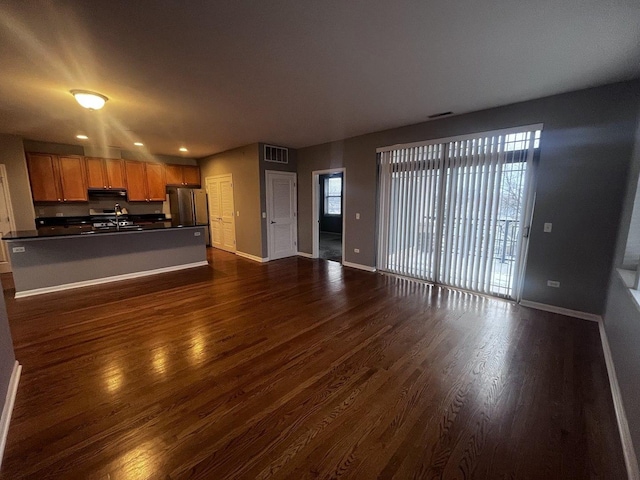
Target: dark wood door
x: 136, y: 181
x: 96, y: 177
x: 156, y: 183
x: 43, y: 176
x: 115, y: 173
x: 191, y: 175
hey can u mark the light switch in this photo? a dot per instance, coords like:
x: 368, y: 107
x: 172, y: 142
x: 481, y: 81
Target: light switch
x: 264, y: 214
x: 238, y: 213
x: 547, y: 227
x: 357, y: 216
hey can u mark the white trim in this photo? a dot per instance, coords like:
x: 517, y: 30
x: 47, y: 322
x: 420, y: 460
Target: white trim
x: 252, y: 257
x: 366, y: 268
x: 9, y: 401
x: 630, y: 459
x: 315, y: 205
x: 562, y: 311
x: 456, y: 138
x: 114, y: 278
x: 305, y: 255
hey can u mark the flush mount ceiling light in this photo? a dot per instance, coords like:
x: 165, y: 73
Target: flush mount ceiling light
x: 82, y: 137
x: 90, y: 100
x: 138, y: 144
x: 183, y: 149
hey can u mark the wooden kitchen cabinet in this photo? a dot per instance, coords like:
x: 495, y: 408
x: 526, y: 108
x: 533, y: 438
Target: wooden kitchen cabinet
x: 182, y: 175
x: 145, y: 182
x: 42, y: 175
x: 105, y: 173
x: 191, y: 175
x: 57, y: 178
x: 156, y: 183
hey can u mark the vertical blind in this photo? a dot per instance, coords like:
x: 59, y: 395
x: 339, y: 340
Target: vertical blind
x: 453, y: 211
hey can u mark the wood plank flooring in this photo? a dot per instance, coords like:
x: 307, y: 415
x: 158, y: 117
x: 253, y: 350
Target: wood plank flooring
x: 303, y: 369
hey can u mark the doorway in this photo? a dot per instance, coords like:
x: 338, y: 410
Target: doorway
x: 6, y: 219
x: 328, y: 213
x: 282, y: 217
x: 222, y: 222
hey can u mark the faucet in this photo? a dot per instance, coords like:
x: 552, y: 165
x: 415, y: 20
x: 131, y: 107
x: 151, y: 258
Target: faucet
x: 117, y: 211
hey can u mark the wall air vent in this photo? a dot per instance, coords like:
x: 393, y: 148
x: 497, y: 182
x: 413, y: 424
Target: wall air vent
x: 276, y: 154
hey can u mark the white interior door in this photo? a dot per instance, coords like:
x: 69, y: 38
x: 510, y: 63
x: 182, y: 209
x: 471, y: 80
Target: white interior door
x: 282, y: 222
x: 221, y: 212
x: 6, y: 223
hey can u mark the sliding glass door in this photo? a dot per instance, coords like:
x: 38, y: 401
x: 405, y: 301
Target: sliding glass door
x: 454, y: 211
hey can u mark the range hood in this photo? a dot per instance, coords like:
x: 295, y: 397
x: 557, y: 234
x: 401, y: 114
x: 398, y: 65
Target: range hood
x: 107, y: 193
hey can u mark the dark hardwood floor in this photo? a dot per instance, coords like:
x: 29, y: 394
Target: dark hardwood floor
x: 303, y: 369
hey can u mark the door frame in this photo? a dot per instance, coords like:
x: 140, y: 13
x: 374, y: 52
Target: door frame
x: 315, y: 205
x: 268, y: 192
x: 233, y: 199
x: 6, y: 267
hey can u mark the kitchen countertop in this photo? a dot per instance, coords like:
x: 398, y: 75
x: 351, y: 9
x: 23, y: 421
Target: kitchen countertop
x: 76, y: 231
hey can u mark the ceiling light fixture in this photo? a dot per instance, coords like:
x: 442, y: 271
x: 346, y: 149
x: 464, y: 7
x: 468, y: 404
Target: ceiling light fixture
x: 82, y: 137
x: 90, y: 100
x: 138, y: 144
x: 183, y: 149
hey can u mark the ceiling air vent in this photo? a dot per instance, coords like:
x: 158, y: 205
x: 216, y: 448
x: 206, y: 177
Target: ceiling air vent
x: 276, y: 154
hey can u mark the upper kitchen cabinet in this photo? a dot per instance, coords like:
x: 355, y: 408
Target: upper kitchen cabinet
x: 57, y: 178
x: 156, y: 183
x: 105, y: 173
x: 182, y: 175
x: 145, y: 182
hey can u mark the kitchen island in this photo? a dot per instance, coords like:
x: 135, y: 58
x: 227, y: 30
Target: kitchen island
x: 45, y: 261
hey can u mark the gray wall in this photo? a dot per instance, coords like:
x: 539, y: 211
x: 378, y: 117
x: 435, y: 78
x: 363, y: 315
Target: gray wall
x: 586, y: 147
x: 12, y: 156
x: 291, y: 166
x: 7, y: 357
x: 622, y: 314
x: 242, y: 164
x: 54, y: 261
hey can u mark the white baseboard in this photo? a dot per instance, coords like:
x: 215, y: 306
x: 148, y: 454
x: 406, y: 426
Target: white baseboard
x: 305, y: 254
x: 630, y: 458
x: 5, y: 419
x: 252, y: 257
x: 359, y: 267
x: 562, y: 311
x: 114, y: 278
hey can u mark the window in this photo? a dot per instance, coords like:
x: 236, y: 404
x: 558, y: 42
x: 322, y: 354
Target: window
x: 454, y: 211
x: 333, y: 196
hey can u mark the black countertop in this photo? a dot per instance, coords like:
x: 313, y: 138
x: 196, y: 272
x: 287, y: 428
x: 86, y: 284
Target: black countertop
x: 86, y: 230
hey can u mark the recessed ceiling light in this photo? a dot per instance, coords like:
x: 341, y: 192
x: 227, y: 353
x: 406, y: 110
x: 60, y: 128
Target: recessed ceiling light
x: 183, y: 149
x: 90, y: 100
x: 82, y: 137
x: 138, y: 144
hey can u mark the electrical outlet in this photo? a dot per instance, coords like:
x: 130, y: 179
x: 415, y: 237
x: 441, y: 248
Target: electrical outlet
x: 17, y: 249
x: 547, y: 227
x: 264, y: 214
x: 238, y: 213
x: 59, y: 214
x: 356, y: 250
x: 196, y: 234
x: 553, y: 283
x: 357, y: 216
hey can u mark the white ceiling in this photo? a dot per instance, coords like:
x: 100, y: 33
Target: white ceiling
x: 220, y: 74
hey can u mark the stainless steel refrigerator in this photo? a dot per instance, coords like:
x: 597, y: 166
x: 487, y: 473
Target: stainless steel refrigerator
x: 188, y: 206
